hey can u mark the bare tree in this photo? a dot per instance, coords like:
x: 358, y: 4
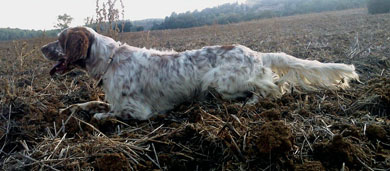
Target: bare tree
x: 63, y: 21
x: 108, y: 17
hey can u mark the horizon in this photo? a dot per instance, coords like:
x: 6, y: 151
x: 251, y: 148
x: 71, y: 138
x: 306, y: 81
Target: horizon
x: 46, y: 18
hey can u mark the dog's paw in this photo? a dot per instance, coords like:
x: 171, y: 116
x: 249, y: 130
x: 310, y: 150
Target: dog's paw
x: 101, y: 116
x: 71, y: 109
x: 253, y: 100
x: 95, y: 106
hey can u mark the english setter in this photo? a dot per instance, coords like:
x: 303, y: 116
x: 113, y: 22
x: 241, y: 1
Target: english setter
x: 140, y: 83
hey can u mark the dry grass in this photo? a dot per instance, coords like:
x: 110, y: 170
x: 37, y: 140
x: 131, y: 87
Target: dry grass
x: 108, y: 14
x: 313, y: 131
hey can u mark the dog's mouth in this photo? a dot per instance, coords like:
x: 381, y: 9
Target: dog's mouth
x: 61, y: 67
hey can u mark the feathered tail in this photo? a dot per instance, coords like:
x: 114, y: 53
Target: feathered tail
x: 308, y: 74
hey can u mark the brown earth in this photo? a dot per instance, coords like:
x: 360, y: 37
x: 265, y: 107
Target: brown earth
x: 323, y: 130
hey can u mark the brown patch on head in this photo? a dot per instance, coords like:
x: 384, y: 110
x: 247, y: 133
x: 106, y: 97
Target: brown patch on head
x: 74, y: 45
x: 228, y: 47
x: 75, y: 42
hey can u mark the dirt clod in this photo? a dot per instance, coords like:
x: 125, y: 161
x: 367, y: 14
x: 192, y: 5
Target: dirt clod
x: 270, y: 115
x: 310, y: 166
x: 338, y: 151
x: 274, y: 137
x: 375, y: 132
x: 347, y: 130
x: 113, y: 161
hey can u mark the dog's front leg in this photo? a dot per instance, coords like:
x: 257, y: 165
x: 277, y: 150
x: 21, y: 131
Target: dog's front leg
x: 91, y: 107
x: 129, y: 109
x: 102, y: 116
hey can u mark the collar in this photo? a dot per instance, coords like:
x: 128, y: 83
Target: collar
x: 110, y: 59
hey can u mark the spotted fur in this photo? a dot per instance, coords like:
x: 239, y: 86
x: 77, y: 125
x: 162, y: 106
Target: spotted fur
x: 140, y: 83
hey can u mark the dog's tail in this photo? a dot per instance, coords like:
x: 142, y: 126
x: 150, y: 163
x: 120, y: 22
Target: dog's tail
x: 308, y: 74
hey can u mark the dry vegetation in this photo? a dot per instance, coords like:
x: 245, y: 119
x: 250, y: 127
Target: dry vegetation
x: 330, y: 130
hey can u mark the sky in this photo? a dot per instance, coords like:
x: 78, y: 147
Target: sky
x: 42, y: 14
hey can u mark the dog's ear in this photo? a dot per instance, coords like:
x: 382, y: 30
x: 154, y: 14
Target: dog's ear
x: 76, y: 45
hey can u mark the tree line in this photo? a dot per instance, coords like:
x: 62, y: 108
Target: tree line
x: 253, y: 9
x: 223, y: 14
x: 120, y: 26
x: 15, y: 33
x: 378, y: 6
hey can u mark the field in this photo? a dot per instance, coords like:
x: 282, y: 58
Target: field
x: 322, y: 130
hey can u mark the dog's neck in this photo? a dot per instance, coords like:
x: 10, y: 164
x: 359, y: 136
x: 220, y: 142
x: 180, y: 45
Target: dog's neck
x: 101, y: 50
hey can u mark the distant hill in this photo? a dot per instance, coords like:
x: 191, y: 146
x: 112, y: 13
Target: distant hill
x: 253, y: 9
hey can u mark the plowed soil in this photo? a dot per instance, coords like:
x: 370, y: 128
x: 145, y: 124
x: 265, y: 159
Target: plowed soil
x: 322, y: 130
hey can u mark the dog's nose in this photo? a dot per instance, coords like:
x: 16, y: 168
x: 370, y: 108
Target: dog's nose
x: 52, y: 51
x: 44, y: 48
x: 47, y: 51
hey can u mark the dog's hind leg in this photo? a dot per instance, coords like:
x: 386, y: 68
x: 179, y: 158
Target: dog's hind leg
x: 229, y: 81
x: 235, y: 82
x: 262, y: 81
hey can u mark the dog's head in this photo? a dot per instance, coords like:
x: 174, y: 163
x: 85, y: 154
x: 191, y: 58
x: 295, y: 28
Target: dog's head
x: 71, y: 50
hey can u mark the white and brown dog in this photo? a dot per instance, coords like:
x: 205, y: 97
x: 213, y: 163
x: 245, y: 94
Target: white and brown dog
x: 140, y: 83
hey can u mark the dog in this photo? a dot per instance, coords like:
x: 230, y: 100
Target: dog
x: 140, y: 83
